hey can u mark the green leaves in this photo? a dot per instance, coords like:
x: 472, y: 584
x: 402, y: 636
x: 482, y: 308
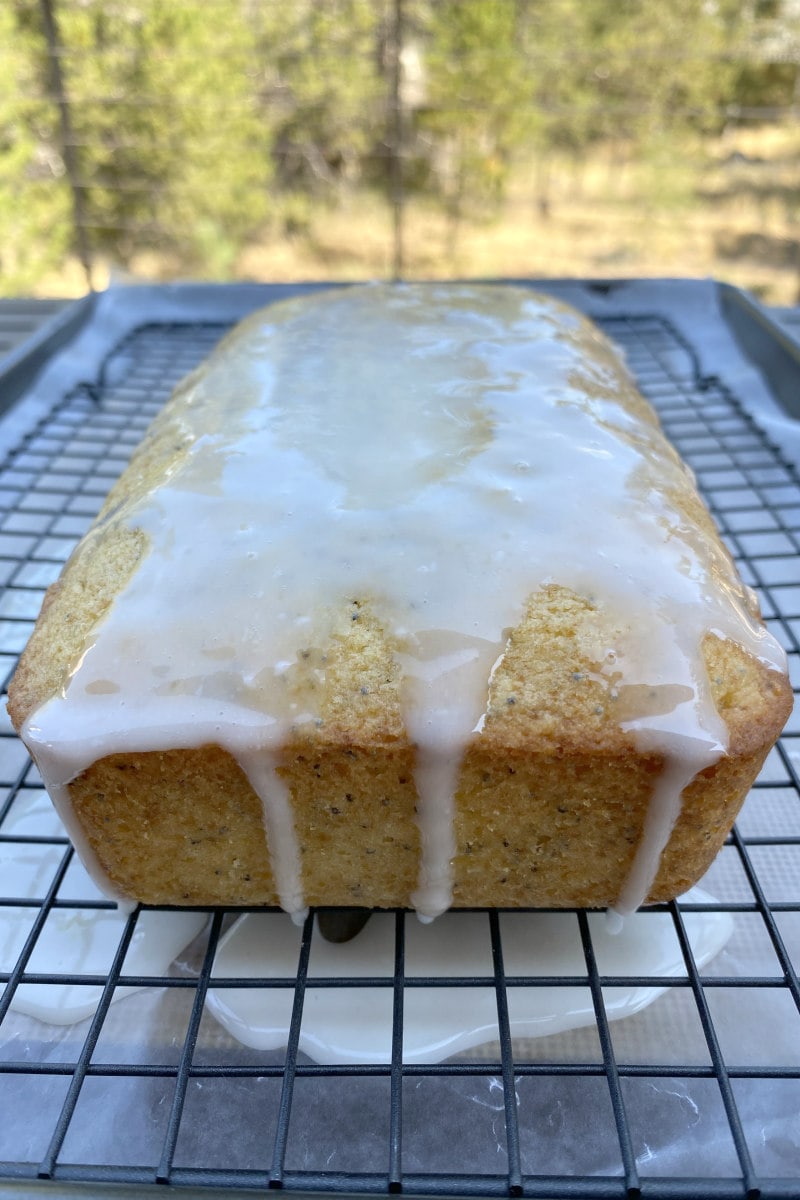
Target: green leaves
x: 201, y: 125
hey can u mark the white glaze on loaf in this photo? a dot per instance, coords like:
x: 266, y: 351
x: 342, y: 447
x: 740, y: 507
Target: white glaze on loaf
x: 439, y: 452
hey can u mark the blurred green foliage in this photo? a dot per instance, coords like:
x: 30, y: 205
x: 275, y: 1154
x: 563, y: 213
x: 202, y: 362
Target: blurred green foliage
x: 198, y: 124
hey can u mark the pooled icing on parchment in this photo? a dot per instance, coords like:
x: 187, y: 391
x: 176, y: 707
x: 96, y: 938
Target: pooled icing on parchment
x: 440, y: 452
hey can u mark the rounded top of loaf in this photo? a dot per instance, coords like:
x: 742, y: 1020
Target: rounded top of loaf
x: 471, y: 467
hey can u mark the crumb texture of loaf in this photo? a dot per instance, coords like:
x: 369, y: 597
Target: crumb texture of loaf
x: 461, y: 632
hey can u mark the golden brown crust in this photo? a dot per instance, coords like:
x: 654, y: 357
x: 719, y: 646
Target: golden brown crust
x: 98, y: 570
x: 72, y: 607
x: 550, y: 807
x: 176, y: 827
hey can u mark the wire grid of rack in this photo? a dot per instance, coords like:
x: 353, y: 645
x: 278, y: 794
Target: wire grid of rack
x: 511, y: 1120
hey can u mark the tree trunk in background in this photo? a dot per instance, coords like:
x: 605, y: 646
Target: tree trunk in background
x: 69, y: 151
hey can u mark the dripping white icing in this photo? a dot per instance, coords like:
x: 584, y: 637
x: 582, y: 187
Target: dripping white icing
x: 354, y: 1025
x: 74, y: 941
x: 437, y: 451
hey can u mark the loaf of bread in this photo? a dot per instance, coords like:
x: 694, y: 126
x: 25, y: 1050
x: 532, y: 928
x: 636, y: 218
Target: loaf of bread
x: 404, y: 600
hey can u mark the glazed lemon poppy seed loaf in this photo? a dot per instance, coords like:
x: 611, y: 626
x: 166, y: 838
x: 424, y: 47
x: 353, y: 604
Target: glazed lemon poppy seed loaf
x: 404, y: 600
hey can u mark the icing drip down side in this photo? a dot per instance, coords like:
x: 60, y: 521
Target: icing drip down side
x: 440, y: 453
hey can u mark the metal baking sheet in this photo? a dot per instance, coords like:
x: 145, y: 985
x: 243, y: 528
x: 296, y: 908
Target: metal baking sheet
x: 697, y: 1095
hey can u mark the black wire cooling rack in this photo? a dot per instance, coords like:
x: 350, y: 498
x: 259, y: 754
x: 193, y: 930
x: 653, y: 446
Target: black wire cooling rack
x: 696, y: 1096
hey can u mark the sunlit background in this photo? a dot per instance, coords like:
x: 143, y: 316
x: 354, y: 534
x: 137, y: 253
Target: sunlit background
x: 320, y: 139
